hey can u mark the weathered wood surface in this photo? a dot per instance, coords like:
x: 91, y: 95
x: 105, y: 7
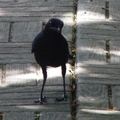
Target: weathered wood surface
x: 98, y: 57
x: 20, y: 76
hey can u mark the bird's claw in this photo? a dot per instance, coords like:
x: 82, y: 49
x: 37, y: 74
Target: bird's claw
x: 41, y: 101
x: 63, y: 98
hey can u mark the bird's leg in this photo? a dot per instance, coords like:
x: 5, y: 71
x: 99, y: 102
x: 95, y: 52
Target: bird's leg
x: 64, y: 96
x: 41, y: 98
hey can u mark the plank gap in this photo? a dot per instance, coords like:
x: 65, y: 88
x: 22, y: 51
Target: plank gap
x: 108, y: 51
x: 107, y: 10
x: 110, y: 97
x: 37, y: 116
x: 10, y: 31
x: 3, y: 74
x: 1, y: 115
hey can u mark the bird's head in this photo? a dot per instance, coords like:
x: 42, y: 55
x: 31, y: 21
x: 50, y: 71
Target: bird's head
x: 55, y: 25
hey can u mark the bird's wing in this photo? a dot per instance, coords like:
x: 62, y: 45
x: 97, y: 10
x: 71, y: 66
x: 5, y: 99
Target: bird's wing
x: 36, y: 41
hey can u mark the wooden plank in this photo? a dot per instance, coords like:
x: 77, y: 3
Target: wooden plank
x: 28, y: 95
x: 34, y: 18
x: 36, y: 3
x: 20, y: 74
x: 4, y: 31
x: 18, y: 115
x: 104, y: 25
x: 30, y: 29
x: 30, y: 108
x: 98, y: 117
x: 30, y: 101
x: 114, y: 52
x: 55, y: 115
x: 99, y: 80
x: 25, y: 31
x: 54, y: 76
x: 44, y: 0
x: 92, y: 96
x: 67, y: 30
x: 36, y: 9
x: 109, y: 25
x: 16, y: 58
x: 97, y: 1
x: 91, y: 10
x: 27, y: 74
x: 99, y: 72
x: 114, y: 10
x: 15, y: 50
x: 116, y: 97
x: 98, y: 32
x: 90, y: 51
x: 89, y: 114
x: 15, y: 45
x: 35, y: 14
x: 23, y: 89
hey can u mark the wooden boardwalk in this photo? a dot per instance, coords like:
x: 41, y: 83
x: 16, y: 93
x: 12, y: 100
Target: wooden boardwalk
x: 21, y: 77
x: 98, y: 60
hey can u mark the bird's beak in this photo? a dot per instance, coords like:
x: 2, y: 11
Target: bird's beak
x: 58, y: 30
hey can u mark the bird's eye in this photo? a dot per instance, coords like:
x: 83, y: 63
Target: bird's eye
x: 50, y: 23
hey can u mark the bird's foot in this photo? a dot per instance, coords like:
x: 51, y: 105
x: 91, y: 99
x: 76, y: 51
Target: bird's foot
x: 41, y: 101
x: 63, y: 98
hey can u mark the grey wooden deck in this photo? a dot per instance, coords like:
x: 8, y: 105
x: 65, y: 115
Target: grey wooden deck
x: 20, y: 76
x: 98, y: 60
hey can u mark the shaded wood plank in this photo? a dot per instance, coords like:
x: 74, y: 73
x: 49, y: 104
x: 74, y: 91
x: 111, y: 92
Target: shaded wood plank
x: 36, y: 9
x: 114, y: 10
x: 99, y: 80
x: 29, y: 95
x: 92, y: 96
x: 99, y: 72
x: 18, y: 115
x: 30, y: 101
x: 90, y: 51
x: 115, y: 52
x: 116, y: 97
x: 4, y: 31
x: 15, y: 50
x: 28, y: 108
x: 25, y: 31
x: 90, y: 10
x: 99, y: 32
x: 36, y: 3
x: 15, y: 45
x: 36, y: 14
x: 106, y: 25
x: 55, y: 115
x: 34, y: 18
x: 29, y: 89
x: 16, y: 58
x: 98, y: 117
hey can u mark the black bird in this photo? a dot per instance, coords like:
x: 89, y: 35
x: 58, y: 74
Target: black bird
x: 50, y: 48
